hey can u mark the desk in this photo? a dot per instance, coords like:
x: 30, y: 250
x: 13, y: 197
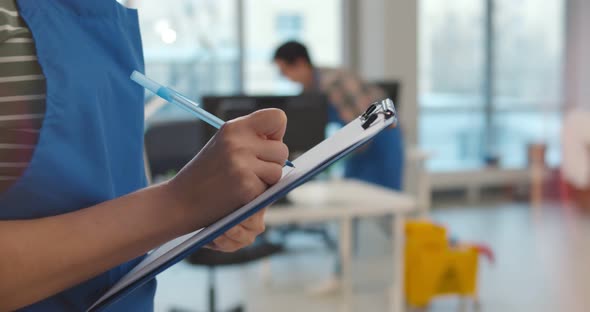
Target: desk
x: 343, y: 201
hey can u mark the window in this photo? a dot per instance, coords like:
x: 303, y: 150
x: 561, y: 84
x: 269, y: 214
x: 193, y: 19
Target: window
x: 195, y: 45
x: 289, y: 26
x: 528, y: 77
x: 452, y: 52
x: 451, y: 82
x: 191, y: 45
x: 268, y: 23
x: 490, y: 80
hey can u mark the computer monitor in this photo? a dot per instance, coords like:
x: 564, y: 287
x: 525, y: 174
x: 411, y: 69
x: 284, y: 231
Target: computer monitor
x: 307, y: 115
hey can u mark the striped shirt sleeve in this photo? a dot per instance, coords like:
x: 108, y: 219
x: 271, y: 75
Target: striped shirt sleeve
x: 22, y: 95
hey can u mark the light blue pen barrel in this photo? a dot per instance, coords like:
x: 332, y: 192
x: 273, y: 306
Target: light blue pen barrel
x: 174, y: 97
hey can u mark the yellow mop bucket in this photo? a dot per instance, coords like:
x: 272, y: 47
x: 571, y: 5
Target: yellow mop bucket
x: 435, y: 268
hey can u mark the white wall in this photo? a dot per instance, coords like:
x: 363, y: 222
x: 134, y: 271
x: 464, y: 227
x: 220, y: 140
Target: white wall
x: 577, y: 90
x: 387, y: 49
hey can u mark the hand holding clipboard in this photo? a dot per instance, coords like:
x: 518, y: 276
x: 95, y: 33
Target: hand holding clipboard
x: 378, y: 117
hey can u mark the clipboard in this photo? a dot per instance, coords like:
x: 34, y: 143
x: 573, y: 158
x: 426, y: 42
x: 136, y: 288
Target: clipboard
x: 379, y: 116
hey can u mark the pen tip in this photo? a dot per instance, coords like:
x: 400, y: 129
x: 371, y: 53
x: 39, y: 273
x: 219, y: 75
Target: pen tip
x: 289, y: 164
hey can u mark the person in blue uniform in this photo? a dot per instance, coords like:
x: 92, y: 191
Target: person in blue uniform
x: 381, y: 161
x: 80, y: 215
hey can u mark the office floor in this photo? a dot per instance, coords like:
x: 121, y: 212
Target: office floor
x: 543, y: 257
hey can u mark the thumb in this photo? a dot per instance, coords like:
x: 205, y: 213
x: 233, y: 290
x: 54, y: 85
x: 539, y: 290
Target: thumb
x: 270, y: 123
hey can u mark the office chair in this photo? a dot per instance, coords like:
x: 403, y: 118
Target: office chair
x: 171, y: 144
x: 213, y: 259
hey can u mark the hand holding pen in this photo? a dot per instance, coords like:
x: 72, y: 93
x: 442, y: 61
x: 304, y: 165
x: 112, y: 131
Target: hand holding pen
x: 239, y: 163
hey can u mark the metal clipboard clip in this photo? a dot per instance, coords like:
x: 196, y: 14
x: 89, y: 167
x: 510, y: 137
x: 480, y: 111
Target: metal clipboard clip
x: 385, y: 108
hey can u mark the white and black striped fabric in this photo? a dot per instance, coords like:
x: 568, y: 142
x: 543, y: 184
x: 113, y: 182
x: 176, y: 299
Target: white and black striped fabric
x: 22, y: 95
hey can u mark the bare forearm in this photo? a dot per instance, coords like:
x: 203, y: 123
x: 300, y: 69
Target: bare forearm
x: 77, y: 246
x: 245, y: 156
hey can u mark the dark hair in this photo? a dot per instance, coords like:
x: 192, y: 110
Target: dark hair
x: 291, y: 51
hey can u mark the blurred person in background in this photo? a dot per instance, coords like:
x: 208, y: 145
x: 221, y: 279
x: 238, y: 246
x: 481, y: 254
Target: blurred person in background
x: 381, y: 162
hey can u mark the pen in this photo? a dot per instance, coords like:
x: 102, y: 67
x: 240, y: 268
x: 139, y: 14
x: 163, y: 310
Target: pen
x: 182, y: 101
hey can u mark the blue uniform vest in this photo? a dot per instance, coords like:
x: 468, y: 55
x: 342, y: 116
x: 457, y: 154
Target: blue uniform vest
x: 91, y: 142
